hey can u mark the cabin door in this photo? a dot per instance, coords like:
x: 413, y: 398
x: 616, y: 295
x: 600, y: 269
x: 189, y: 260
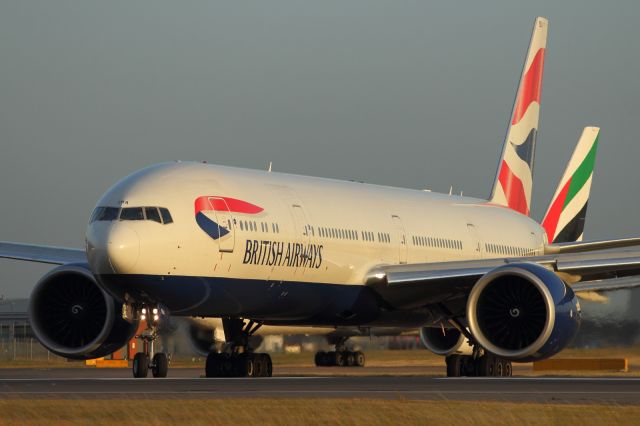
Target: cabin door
x: 226, y: 226
x: 402, y: 239
x: 476, y: 244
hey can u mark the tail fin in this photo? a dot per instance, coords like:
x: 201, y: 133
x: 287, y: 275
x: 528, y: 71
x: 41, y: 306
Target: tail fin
x: 514, y: 179
x: 565, y: 217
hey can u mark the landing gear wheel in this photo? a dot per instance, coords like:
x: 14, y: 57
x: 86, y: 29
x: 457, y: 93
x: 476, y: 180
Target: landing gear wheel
x: 350, y: 358
x: 140, y: 365
x: 321, y: 359
x: 485, y: 366
x: 508, y: 369
x: 246, y: 365
x: 499, y: 368
x: 266, y: 368
x: 339, y: 359
x: 454, y: 365
x: 160, y: 365
x: 212, y: 367
x: 259, y: 365
x: 359, y: 356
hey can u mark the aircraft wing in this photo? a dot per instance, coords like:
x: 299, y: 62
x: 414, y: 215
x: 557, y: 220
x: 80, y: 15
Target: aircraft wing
x: 416, y: 285
x: 584, y: 246
x: 623, y: 283
x: 41, y: 254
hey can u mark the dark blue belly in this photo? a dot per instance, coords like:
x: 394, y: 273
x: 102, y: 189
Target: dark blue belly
x: 300, y: 302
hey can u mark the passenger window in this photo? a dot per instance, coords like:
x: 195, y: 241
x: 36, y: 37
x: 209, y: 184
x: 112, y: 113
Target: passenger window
x: 132, y: 213
x: 166, y: 216
x: 152, y: 214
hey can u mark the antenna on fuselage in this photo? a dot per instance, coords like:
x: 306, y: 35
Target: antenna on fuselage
x: 270, y: 164
x: 450, y: 190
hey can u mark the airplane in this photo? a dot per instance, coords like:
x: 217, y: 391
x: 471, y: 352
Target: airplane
x: 563, y: 222
x: 263, y: 248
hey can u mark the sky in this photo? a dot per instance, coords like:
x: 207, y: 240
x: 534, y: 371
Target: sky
x: 412, y: 94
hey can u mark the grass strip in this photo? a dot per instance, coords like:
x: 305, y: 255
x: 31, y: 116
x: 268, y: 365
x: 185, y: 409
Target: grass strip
x: 308, y: 412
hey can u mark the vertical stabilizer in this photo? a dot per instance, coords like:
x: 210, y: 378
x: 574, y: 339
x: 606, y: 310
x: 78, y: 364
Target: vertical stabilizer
x: 514, y: 180
x: 565, y: 217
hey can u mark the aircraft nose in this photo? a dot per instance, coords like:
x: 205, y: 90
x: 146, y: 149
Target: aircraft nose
x: 123, y: 248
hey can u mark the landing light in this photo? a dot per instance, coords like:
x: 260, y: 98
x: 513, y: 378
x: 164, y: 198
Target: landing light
x: 156, y: 317
x: 144, y: 311
x: 143, y: 317
x: 155, y: 311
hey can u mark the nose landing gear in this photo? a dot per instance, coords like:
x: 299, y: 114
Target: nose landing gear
x: 237, y: 358
x: 147, y: 360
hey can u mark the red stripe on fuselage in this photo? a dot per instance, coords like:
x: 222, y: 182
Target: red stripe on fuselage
x: 513, y: 189
x: 213, y: 202
x: 550, y: 222
x: 530, y: 88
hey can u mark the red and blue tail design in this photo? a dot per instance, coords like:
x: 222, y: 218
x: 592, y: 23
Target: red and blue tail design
x: 213, y: 203
x: 514, y: 180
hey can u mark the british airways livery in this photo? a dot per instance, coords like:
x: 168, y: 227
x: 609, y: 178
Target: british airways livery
x: 484, y: 283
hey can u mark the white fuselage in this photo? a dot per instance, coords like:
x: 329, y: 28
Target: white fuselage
x: 278, y: 231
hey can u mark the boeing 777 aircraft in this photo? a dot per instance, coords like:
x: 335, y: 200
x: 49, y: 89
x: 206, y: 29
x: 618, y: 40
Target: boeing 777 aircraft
x: 263, y: 248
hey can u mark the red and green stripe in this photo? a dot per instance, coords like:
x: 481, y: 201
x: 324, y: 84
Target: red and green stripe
x: 568, y: 192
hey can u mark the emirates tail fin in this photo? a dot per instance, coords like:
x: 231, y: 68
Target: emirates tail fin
x: 565, y: 217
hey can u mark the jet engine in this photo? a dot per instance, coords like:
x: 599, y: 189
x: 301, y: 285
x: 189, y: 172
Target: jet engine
x: 445, y: 341
x: 523, y: 312
x: 72, y: 316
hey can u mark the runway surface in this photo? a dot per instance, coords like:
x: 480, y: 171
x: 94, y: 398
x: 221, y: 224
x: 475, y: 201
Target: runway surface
x: 186, y: 384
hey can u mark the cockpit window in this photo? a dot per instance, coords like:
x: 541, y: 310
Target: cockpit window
x: 166, y: 216
x: 105, y: 214
x: 152, y: 214
x: 132, y: 213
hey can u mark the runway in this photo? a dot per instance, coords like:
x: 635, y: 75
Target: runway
x: 186, y: 384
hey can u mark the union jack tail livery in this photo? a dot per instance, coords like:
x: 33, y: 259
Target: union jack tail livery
x: 514, y: 179
x: 565, y: 217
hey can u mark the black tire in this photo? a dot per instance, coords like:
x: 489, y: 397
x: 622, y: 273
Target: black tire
x: 268, y: 366
x: 329, y: 359
x: 454, y: 365
x: 212, y: 367
x: 508, y: 369
x: 498, y: 368
x: 259, y: 365
x: 160, y: 365
x: 359, y: 356
x: 339, y: 360
x: 468, y: 366
x: 320, y: 359
x: 245, y: 365
x: 485, y: 366
x: 140, y: 365
x: 350, y: 358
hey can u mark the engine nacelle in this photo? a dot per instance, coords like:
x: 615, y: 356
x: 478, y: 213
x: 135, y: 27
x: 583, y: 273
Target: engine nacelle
x: 523, y: 312
x: 447, y: 343
x: 73, y: 317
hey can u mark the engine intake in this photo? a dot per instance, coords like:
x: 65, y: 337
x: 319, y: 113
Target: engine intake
x: 451, y: 341
x: 523, y: 312
x: 73, y: 317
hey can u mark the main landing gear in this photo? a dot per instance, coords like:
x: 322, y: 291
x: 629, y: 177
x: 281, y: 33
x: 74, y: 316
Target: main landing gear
x: 478, y: 365
x: 147, y: 360
x: 237, y: 358
x: 341, y: 357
